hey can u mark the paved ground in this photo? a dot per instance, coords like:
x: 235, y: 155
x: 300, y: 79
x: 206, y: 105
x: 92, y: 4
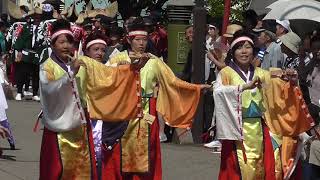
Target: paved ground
x: 185, y: 162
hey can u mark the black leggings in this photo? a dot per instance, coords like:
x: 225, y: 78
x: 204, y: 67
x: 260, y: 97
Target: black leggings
x: 22, y: 76
x: 34, y: 71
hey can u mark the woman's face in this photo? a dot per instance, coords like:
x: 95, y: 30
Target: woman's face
x: 244, y: 54
x: 96, y: 51
x: 63, y: 47
x: 213, y: 32
x: 139, y: 44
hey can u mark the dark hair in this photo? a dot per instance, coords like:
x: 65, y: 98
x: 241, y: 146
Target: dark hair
x: 216, y: 21
x: 189, y: 26
x: 148, y: 21
x: 61, y: 24
x: 137, y: 24
x: 250, y: 16
x: 116, y: 31
x: 4, y: 17
x: 239, y: 44
x: 250, y: 13
x: 93, y: 36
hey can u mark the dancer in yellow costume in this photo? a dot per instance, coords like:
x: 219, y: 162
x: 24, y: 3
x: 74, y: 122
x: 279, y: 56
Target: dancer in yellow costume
x: 133, y: 152
x: 246, y: 118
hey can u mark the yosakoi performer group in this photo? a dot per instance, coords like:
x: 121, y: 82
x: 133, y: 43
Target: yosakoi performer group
x: 260, y: 115
x: 67, y: 147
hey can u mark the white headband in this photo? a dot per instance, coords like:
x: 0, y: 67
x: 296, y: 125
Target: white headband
x: 96, y: 41
x: 212, y: 26
x: 239, y: 39
x: 58, y: 33
x: 136, y: 33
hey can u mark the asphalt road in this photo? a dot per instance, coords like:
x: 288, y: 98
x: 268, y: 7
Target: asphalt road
x: 185, y: 162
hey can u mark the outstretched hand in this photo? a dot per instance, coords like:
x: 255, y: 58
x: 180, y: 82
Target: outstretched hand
x: 139, y: 60
x: 256, y: 82
x: 205, y: 87
x: 76, y: 63
x: 290, y: 75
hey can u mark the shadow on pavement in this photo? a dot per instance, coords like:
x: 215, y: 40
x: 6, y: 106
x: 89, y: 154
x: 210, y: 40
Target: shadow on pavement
x: 8, y: 157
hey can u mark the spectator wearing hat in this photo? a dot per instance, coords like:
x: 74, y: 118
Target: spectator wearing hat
x: 218, y: 55
x: 231, y: 29
x: 27, y: 61
x: 282, y: 27
x: 290, y: 46
x: 213, y: 41
x: 273, y: 57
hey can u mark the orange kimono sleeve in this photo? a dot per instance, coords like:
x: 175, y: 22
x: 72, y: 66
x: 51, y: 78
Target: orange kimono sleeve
x: 111, y: 91
x: 286, y: 112
x: 177, y: 100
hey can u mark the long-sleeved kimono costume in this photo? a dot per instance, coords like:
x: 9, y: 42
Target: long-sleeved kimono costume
x: 258, y: 128
x: 67, y: 147
x: 132, y: 149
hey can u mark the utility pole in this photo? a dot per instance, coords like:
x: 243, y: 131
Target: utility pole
x: 198, y: 62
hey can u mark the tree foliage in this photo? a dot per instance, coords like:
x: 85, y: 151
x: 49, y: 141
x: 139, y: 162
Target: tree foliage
x: 216, y: 8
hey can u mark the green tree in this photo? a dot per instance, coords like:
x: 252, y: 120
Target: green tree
x: 216, y: 8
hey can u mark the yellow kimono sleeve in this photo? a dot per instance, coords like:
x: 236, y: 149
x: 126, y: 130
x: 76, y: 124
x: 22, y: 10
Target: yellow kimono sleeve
x: 82, y: 85
x: 120, y: 57
x: 177, y: 100
x: 286, y: 112
x: 111, y: 91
